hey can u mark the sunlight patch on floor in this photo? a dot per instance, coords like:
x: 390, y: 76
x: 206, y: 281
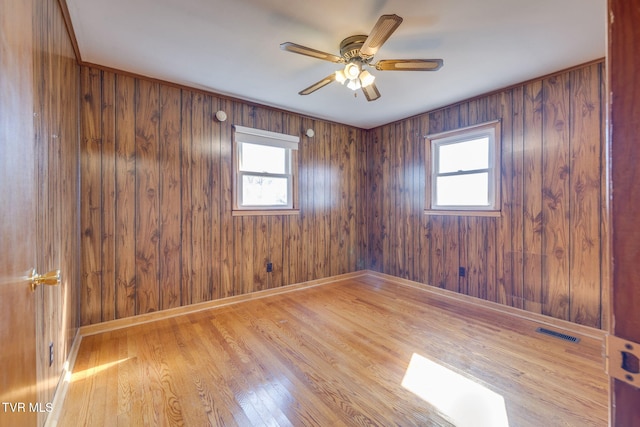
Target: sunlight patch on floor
x: 86, y: 373
x: 465, y: 402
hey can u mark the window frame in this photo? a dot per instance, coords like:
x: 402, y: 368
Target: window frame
x: 432, y: 145
x: 244, y: 135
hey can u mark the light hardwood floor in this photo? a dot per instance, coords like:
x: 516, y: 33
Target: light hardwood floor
x: 359, y: 351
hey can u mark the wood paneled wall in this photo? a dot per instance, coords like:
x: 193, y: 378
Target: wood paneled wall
x: 547, y: 252
x: 57, y: 149
x: 157, y: 229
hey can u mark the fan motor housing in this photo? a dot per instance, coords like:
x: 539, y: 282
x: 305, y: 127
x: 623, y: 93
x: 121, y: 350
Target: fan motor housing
x: 350, y: 47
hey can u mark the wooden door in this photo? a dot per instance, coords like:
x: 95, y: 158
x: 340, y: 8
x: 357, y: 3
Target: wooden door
x: 623, y: 63
x: 17, y: 218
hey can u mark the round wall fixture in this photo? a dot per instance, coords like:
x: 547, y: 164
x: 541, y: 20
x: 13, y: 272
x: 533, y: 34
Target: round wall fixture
x: 221, y: 115
x: 310, y: 133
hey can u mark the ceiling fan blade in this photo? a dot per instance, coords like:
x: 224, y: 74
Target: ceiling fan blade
x: 303, y: 50
x: 409, y: 64
x: 322, y: 83
x: 385, y: 26
x: 371, y: 92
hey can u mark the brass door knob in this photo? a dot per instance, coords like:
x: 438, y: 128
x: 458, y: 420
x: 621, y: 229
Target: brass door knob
x: 51, y: 278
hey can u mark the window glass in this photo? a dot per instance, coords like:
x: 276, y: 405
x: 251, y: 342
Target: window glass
x: 464, y: 156
x: 264, y: 191
x: 463, y: 190
x: 465, y: 170
x: 265, y: 169
x: 263, y: 158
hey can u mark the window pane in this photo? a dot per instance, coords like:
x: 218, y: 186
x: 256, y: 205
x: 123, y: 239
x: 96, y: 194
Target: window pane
x: 264, y: 191
x: 463, y: 190
x: 263, y: 159
x: 464, y: 156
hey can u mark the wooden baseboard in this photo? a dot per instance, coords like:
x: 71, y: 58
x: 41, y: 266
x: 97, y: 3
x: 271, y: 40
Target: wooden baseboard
x: 565, y: 325
x: 194, y: 308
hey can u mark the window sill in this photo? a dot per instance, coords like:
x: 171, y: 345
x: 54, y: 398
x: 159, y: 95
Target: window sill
x: 265, y: 212
x: 495, y: 214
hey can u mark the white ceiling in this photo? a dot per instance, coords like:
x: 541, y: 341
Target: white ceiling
x: 231, y: 47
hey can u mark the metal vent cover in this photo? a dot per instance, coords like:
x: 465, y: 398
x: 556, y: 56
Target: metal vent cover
x: 558, y: 335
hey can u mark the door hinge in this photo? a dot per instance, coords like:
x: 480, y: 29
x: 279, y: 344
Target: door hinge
x: 622, y: 360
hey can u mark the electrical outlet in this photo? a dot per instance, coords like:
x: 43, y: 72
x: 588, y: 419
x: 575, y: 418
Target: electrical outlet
x: 269, y: 267
x: 51, y: 353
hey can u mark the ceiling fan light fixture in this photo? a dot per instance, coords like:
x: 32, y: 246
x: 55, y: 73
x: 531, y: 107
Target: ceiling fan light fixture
x: 352, y: 70
x: 354, y: 84
x: 341, y: 77
x: 366, y: 78
x: 356, y: 54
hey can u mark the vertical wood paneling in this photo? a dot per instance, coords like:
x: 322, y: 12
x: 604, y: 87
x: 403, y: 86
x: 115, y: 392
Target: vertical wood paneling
x: 348, y: 208
x: 125, y: 176
x: 585, y: 192
x: 387, y: 194
x: 169, y: 198
x: 324, y: 244
x: 396, y: 230
x: 517, y: 198
x: 215, y: 287
x: 186, y: 199
x: 504, y: 238
x: 318, y: 230
x: 532, y: 188
x: 533, y: 255
x: 165, y: 181
x: 147, y: 202
x: 226, y: 205
x: 201, y: 198
x: 555, y: 193
x: 374, y: 199
x: 275, y: 250
x: 361, y: 190
x: 91, y: 189
x: 260, y: 256
x: 490, y: 236
x: 409, y: 169
x: 109, y: 210
x: 305, y: 174
x: 336, y: 154
x: 168, y: 192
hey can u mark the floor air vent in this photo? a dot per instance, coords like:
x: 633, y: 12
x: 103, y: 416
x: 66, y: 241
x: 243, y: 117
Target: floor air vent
x: 558, y: 335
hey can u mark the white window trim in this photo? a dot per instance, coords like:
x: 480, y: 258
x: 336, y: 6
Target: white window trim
x: 265, y: 137
x: 490, y: 129
x: 243, y: 134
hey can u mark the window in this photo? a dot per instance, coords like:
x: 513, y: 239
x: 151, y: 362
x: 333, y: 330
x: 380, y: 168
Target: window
x: 265, y: 167
x: 465, y: 170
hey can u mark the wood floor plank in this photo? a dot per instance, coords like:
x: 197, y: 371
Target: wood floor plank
x: 336, y: 354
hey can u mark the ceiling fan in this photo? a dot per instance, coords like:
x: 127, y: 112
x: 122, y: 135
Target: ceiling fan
x: 357, y: 52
